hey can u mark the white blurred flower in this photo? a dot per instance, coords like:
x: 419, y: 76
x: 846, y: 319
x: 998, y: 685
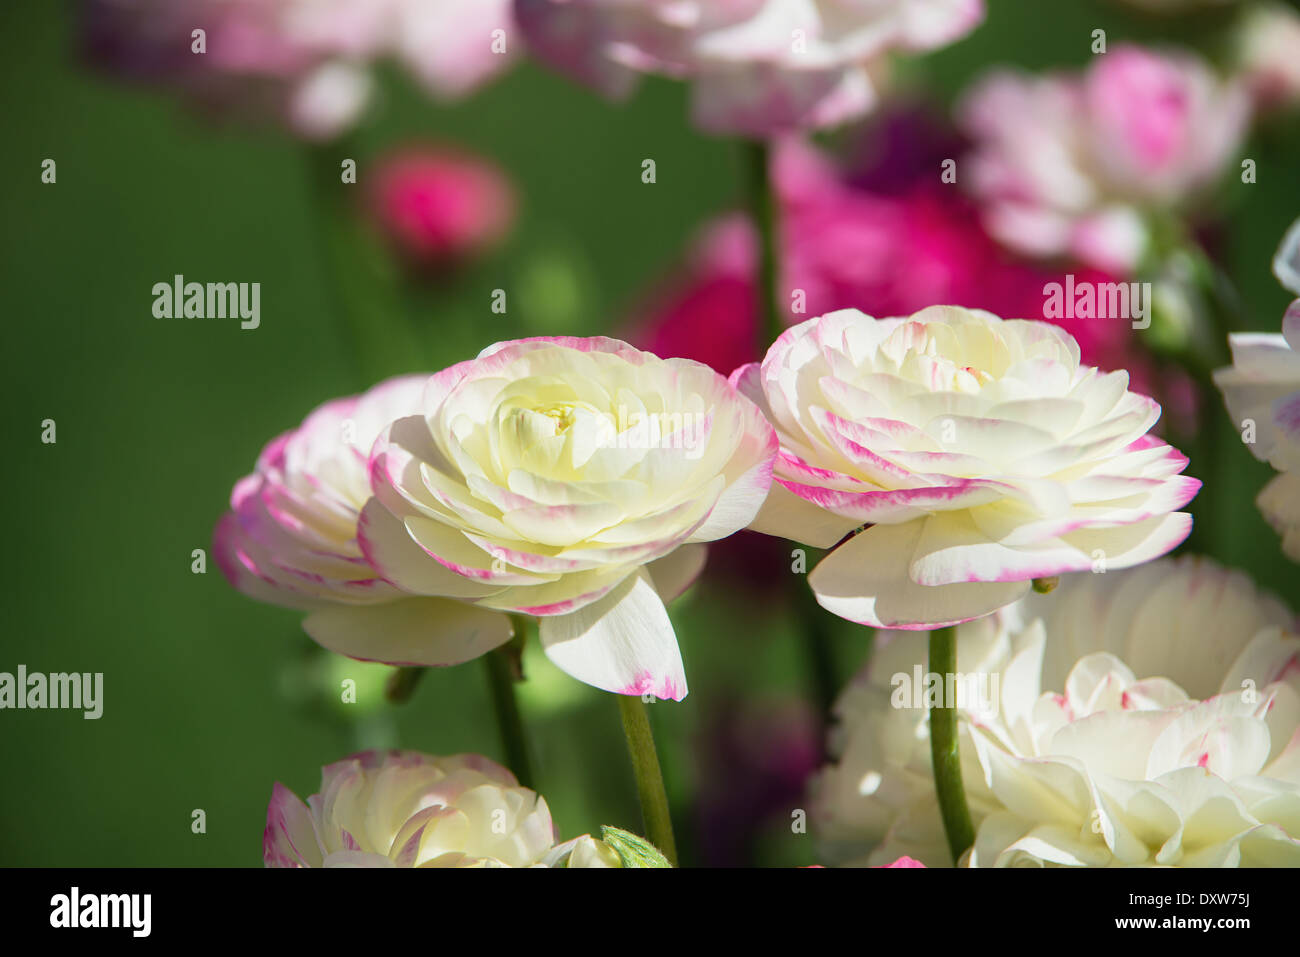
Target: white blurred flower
x: 1262, y: 391
x: 1146, y: 718
x: 979, y: 454
x: 406, y: 809
x: 756, y: 67
x: 304, y: 62
x: 1268, y: 54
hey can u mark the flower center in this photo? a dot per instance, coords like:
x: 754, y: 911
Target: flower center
x: 563, y: 414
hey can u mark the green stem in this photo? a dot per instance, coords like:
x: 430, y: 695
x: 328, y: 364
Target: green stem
x: 762, y: 202
x: 945, y: 755
x: 401, y: 684
x: 649, y: 777
x: 504, y: 669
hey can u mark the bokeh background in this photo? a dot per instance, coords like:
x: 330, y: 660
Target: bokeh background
x: 209, y: 697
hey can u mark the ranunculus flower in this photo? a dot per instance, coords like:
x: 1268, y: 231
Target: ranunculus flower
x: 979, y: 454
x: 1068, y: 164
x: 290, y: 538
x: 1262, y: 392
x: 406, y: 809
x: 305, y: 63
x: 437, y: 206
x: 756, y: 67
x: 574, y: 480
x: 1141, y: 718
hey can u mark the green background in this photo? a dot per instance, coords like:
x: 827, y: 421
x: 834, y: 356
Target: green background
x: 210, y: 697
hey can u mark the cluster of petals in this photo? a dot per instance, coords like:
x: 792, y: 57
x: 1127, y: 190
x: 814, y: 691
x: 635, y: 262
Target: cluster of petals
x: 1076, y: 163
x: 1144, y: 718
x: 951, y: 457
x: 406, y: 809
x: 290, y: 539
x: 756, y: 67
x: 306, y: 62
x: 575, y: 480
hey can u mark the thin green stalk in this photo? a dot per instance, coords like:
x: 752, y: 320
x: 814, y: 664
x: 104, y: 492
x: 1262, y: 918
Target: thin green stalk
x: 649, y: 776
x: 401, y: 684
x: 944, y: 752
x: 504, y: 669
x: 762, y: 202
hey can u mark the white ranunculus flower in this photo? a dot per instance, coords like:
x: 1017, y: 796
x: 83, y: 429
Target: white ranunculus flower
x: 979, y: 453
x: 290, y: 538
x: 406, y: 809
x: 573, y: 480
x: 1262, y: 391
x: 1141, y: 718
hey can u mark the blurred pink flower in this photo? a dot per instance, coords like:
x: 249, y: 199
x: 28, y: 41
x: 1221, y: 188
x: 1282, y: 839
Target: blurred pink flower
x: 439, y: 207
x: 756, y: 67
x: 305, y: 63
x: 904, y: 861
x: 1073, y: 164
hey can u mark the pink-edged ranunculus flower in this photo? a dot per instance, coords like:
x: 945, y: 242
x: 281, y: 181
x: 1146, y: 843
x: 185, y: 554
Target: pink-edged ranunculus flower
x: 290, y: 539
x: 305, y: 63
x: 1074, y: 164
x: 1143, y: 718
x: 1262, y: 391
x: 756, y: 67
x: 978, y: 453
x: 407, y: 809
x: 574, y: 480
x: 438, y: 207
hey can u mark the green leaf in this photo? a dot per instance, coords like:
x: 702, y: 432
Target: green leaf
x: 633, y: 851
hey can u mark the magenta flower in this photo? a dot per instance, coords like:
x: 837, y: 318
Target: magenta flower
x: 439, y: 207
